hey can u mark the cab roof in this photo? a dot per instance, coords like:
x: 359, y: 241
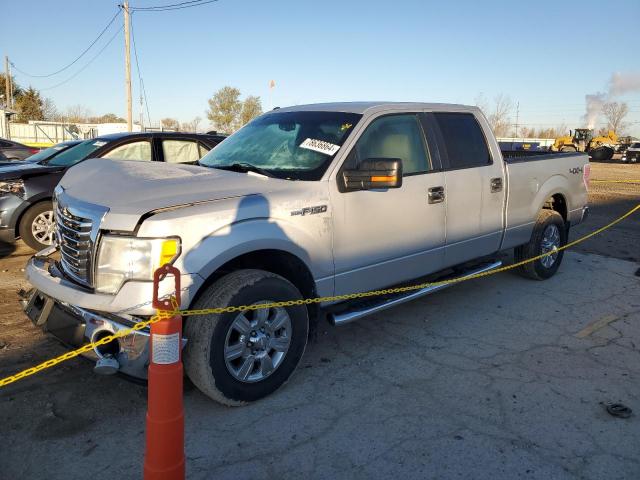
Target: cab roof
x: 371, y: 107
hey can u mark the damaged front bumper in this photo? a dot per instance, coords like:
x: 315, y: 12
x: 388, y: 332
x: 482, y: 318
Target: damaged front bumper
x: 75, y: 327
x: 76, y: 316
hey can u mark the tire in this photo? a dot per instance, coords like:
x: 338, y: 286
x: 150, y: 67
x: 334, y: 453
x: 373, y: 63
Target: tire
x: 601, y: 153
x: 542, y: 269
x: 209, y: 336
x: 36, y: 215
x: 568, y: 149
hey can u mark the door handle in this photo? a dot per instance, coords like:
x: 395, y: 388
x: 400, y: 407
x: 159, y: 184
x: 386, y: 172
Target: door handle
x: 436, y: 194
x: 496, y: 185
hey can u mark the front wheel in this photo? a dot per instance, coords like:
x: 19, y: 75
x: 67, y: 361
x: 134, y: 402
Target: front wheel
x: 549, y: 234
x: 239, y: 357
x: 37, y: 226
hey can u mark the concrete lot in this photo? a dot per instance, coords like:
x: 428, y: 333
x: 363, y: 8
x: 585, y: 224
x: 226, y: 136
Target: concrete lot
x: 496, y: 378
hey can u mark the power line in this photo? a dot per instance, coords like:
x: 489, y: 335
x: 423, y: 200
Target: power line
x: 173, y: 6
x: 135, y: 54
x: 87, y: 64
x: 78, y: 57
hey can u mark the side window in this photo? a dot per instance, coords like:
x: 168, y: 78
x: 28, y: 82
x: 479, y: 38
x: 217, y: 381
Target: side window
x: 139, y: 151
x: 463, y: 139
x: 203, y: 150
x: 394, y: 136
x: 180, y: 151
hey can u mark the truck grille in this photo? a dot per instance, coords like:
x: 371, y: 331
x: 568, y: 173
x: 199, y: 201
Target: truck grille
x: 73, y: 235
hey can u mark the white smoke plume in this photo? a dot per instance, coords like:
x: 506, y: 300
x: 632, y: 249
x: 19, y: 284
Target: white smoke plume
x: 594, y: 101
x: 619, y: 84
x: 622, y: 83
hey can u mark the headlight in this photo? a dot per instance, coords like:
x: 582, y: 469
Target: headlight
x: 12, y: 186
x: 129, y: 258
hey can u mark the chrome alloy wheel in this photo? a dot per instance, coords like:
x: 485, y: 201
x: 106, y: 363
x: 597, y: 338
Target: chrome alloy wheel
x: 550, y: 243
x: 43, y: 227
x: 257, y: 342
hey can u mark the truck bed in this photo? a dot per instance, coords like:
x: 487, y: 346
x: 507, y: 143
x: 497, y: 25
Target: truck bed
x: 532, y: 176
x: 514, y: 156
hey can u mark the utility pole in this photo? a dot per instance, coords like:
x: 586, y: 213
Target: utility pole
x: 7, y: 83
x: 127, y: 65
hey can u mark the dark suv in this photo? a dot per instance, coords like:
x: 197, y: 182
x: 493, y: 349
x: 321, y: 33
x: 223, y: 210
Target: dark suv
x: 26, y: 188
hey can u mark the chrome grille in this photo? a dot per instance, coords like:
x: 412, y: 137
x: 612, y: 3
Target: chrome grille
x: 73, y: 236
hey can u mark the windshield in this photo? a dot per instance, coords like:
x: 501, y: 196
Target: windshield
x: 73, y: 155
x: 291, y: 145
x: 635, y: 145
x: 49, y: 152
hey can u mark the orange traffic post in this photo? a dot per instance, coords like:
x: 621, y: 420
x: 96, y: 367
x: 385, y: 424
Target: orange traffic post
x: 164, y: 452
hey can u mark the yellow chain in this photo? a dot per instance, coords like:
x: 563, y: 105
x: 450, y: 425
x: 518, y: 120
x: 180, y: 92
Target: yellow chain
x: 307, y: 301
x: 632, y: 182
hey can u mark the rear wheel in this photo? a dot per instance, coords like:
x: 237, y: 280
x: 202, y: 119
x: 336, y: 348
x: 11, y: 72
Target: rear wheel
x: 239, y: 357
x: 37, y: 226
x: 601, y: 153
x: 549, y: 234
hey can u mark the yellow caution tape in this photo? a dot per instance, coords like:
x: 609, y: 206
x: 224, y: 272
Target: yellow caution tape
x: 306, y: 301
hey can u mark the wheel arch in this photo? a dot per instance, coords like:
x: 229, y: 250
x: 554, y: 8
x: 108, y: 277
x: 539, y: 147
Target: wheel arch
x: 557, y: 202
x: 274, y: 260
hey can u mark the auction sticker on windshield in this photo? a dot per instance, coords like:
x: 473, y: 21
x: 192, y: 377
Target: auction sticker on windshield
x: 320, y: 146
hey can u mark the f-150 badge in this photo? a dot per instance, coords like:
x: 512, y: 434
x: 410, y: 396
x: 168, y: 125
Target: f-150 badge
x: 309, y: 210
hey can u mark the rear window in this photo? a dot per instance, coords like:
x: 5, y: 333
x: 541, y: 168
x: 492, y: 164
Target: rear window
x: 464, y: 141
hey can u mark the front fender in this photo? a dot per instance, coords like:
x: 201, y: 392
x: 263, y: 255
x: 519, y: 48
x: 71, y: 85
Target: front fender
x: 237, y: 239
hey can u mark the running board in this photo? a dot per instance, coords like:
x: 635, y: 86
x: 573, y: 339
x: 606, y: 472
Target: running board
x: 351, y: 315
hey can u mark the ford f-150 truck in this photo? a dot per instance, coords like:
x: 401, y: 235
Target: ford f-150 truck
x: 308, y: 201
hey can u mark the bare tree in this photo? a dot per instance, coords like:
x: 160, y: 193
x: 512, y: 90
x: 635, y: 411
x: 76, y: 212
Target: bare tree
x: 195, y: 123
x: 170, y: 123
x: 77, y: 114
x: 615, y: 114
x: 49, y: 110
x: 191, y: 126
x: 500, y: 116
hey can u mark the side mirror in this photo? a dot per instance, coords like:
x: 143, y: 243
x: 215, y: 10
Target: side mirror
x: 374, y: 173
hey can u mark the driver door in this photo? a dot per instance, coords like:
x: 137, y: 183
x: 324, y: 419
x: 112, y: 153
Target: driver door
x: 387, y: 236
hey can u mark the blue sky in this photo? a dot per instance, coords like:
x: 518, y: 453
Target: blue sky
x: 541, y: 53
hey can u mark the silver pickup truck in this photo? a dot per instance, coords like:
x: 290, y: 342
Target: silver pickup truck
x: 307, y: 201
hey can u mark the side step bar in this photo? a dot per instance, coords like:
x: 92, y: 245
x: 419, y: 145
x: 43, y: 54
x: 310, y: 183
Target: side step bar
x: 351, y: 315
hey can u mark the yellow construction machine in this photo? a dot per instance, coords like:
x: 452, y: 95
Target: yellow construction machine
x: 582, y: 140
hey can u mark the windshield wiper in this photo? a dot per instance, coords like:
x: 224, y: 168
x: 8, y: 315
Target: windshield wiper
x: 245, y: 167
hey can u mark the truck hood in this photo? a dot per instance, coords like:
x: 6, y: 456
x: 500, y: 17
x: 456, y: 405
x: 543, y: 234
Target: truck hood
x: 135, y: 188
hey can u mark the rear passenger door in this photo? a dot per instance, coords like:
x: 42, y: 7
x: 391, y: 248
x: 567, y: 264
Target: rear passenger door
x: 474, y: 187
x: 181, y: 150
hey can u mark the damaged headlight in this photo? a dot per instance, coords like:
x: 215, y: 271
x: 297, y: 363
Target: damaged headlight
x: 129, y: 258
x: 12, y: 186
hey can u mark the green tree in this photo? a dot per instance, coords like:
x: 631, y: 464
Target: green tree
x: 251, y: 108
x: 30, y: 106
x: 224, y: 109
x: 17, y: 89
